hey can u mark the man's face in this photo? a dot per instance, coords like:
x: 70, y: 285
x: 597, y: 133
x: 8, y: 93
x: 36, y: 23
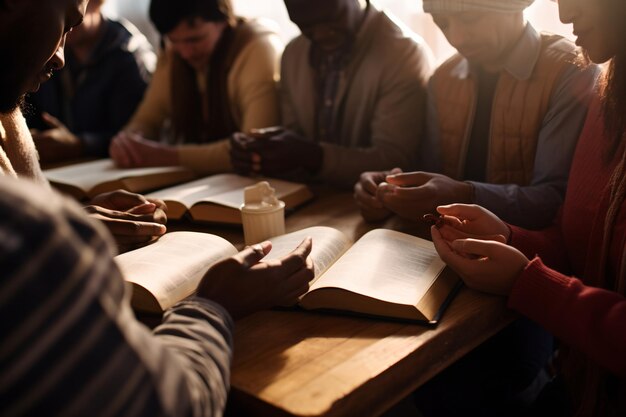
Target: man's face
x: 195, y: 41
x: 32, y: 42
x: 483, y: 38
x: 329, y: 24
x: 598, y: 26
x: 89, y: 27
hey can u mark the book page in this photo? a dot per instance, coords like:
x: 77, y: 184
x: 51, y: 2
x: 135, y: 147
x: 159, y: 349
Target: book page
x: 89, y: 174
x: 328, y: 245
x: 387, y: 265
x: 207, y: 189
x: 222, y: 189
x: 172, y: 267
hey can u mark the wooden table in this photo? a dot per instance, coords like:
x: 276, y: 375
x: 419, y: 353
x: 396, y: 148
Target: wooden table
x: 296, y: 363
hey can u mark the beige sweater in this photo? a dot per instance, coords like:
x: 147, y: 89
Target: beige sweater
x: 381, y: 100
x: 252, y: 92
x: 18, y: 156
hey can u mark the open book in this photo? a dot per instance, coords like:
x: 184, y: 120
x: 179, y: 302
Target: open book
x: 217, y: 198
x: 385, y: 273
x: 88, y: 179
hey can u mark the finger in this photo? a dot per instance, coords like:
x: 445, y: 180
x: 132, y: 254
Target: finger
x: 297, y: 259
x: 409, y: 179
x: 253, y: 254
x: 368, y: 181
x: 461, y: 211
x: 129, y: 148
x: 51, y: 120
x: 105, y: 214
x: 259, y: 145
x: 442, y: 245
x: 452, y: 221
x: 365, y: 199
x: 118, y: 154
x: 477, y: 247
x: 125, y: 200
x: 395, y: 171
x: 134, y: 148
x: 145, y: 208
x: 239, y: 141
x: 422, y: 192
x: 383, y: 190
x: 159, y: 203
x: 448, y: 254
x: 239, y: 154
x: 121, y: 227
x: 300, y: 279
x: 451, y: 234
x: 241, y: 161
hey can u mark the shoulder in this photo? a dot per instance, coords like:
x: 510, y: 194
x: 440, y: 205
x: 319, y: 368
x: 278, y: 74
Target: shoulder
x: 131, y: 44
x: 298, y: 46
x: 559, y: 51
x: 128, y: 36
x: 263, y: 36
x: 392, y: 35
x: 389, y: 45
x: 449, y: 65
x: 558, y: 45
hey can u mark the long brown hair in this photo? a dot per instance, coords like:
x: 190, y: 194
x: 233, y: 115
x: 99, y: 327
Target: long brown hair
x: 614, y: 82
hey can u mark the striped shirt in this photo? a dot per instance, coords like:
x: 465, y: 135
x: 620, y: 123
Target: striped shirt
x: 70, y: 344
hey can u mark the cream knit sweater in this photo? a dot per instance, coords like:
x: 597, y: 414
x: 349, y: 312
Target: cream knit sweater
x: 18, y: 156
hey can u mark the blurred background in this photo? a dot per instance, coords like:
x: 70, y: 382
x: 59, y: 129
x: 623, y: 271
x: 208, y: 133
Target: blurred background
x: 543, y: 14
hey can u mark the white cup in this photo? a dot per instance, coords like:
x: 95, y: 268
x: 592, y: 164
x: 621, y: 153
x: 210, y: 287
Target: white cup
x: 262, y: 221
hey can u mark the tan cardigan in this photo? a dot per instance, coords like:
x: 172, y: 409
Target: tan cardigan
x: 380, y: 102
x: 519, y: 110
x: 18, y: 156
x: 252, y: 90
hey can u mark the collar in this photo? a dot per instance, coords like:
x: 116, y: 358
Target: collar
x: 521, y: 61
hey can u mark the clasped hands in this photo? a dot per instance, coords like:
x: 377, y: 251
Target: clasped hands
x: 132, y: 219
x: 473, y: 242
x: 409, y: 195
x: 133, y: 150
x: 273, y: 151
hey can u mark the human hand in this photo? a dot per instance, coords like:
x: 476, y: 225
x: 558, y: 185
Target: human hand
x: 56, y: 143
x: 132, y: 203
x: 484, y: 265
x: 242, y: 284
x: 132, y: 219
x: 372, y: 209
x: 129, y: 229
x: 413, y: 194
x: 243, y: 161
x: 274, y: 154
x: 131, y: 150
x: 474, y: 221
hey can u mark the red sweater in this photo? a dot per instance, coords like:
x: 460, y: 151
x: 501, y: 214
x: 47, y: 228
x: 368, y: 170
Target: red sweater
x: 589, y: 319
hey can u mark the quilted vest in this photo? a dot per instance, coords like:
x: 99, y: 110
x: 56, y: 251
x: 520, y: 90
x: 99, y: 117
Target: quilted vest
x: 519, y: 108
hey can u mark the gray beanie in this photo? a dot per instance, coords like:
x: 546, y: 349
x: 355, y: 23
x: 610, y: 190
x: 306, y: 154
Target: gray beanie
x: 451, y: 6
